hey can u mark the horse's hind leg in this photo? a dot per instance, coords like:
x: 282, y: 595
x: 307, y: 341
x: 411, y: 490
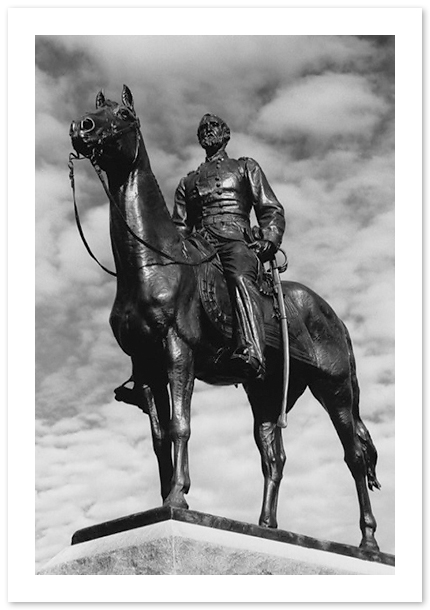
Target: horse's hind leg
x: 369, y: 449
x: 337, y: 396
x: 370, y: 454
x: 265, y: 399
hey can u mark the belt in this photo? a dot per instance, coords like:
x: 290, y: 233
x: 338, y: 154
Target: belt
x: 226, y: 216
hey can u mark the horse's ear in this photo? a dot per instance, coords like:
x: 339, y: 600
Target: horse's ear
x: 100, y: 99
x: 127, y: 98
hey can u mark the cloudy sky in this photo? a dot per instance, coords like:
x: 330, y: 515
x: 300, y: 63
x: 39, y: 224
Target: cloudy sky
x: 317, y: 112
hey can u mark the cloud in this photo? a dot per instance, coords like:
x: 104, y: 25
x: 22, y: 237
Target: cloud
x: 198, y: 73
x: 323, y: 106
x: 99, y: 455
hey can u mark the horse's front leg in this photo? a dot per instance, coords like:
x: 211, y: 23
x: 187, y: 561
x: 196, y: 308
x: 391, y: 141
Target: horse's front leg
x: 181, y: 380
x: 157, y: 400
x: 150, y: 393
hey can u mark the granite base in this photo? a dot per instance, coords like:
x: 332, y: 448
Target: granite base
x: 168, y: 541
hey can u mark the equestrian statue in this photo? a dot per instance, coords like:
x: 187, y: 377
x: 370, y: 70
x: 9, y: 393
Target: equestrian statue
x: 194, y: 301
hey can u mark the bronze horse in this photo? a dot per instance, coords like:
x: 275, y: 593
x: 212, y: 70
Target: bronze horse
x: 158, y: 320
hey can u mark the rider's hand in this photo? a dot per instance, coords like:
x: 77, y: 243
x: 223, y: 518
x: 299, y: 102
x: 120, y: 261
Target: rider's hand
x: 264, y: 249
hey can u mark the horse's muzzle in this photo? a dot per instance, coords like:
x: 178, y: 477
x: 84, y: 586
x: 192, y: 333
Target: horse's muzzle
x: 84, y: 126
x: 82, y: 136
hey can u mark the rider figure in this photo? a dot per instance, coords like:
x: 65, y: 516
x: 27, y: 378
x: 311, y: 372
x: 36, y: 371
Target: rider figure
x: 216, y: 201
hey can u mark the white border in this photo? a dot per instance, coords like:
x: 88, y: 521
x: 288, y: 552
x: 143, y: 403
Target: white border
x: 24, y: 24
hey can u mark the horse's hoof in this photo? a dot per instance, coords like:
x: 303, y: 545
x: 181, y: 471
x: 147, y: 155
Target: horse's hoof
x: 175, y: 503
x: 369, y: 546
x: 270, y: 523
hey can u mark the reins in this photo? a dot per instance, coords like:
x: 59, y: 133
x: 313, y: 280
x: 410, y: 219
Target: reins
x: 75, y: 207
x: 78, y: 157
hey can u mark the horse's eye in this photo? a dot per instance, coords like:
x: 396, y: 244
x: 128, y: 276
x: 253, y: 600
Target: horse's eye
x: 124, y: 114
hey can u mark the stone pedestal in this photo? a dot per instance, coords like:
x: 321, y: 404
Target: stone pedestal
x: 177, y: 541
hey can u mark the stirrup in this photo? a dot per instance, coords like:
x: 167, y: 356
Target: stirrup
x: 248, y: 363
x: 223, y: 354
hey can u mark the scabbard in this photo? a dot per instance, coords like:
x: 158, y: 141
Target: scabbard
x: 282, y: 420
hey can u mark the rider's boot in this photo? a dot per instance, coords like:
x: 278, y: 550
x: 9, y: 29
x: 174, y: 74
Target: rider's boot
x: 132, y: 396
x: 248, y: 330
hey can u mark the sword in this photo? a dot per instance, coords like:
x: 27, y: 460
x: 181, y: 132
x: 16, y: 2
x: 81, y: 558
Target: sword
x: 276, y: 270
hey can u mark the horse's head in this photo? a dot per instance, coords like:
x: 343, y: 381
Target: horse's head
x: 110, y: 135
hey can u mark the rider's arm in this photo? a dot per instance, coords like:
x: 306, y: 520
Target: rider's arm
x: 180, y: 214
x: 269, y: 211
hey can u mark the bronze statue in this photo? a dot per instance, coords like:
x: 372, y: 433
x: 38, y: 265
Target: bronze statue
x: 216, y: 200
x: 172, y: 314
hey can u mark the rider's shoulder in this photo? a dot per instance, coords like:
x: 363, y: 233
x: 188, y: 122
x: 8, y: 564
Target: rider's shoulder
x: 249, y: 161
x: 190, y: 174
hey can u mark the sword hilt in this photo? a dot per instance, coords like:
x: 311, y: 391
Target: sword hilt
x: 281, y: 267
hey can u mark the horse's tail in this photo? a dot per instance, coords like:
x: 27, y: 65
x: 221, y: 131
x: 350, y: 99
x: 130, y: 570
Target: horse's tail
x: 369, y: 450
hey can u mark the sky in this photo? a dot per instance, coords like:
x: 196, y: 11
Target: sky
x: 317, y: 113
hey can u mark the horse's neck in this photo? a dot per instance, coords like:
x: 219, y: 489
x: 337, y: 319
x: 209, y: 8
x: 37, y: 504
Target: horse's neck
x: 140, y: 203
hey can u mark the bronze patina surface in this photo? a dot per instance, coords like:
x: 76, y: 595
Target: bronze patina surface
x: 158, y: 318
x: 216, y: 201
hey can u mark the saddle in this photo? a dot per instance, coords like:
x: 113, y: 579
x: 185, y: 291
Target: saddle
x: 217, y: 306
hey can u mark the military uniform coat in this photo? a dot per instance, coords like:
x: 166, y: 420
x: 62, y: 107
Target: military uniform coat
x: 218, y: 198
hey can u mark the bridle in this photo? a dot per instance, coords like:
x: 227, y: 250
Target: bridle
x: 96, y: 153
x: 114, y: 134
